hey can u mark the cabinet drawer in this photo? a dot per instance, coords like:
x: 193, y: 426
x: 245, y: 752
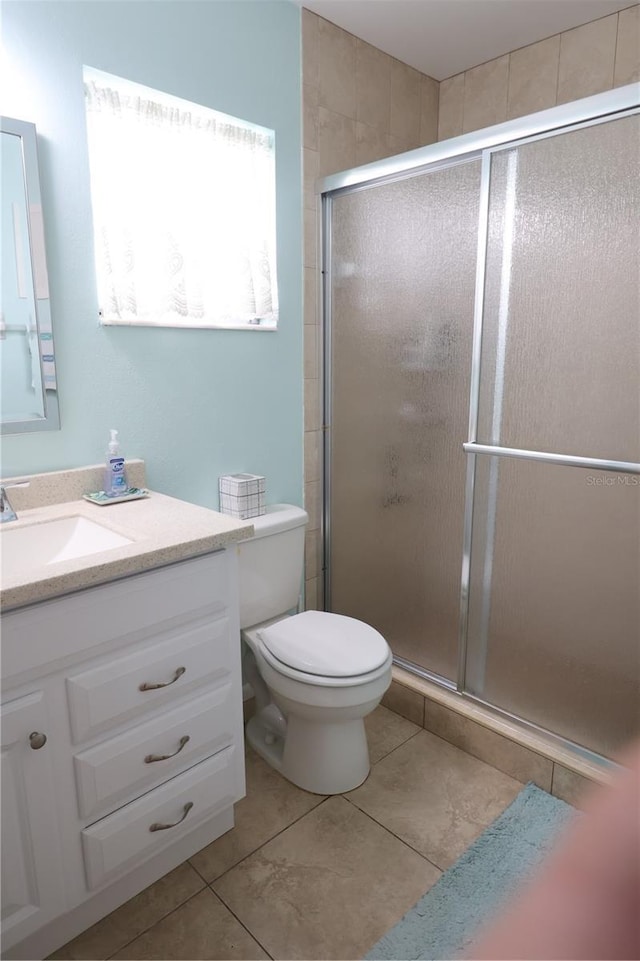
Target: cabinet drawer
x: 114, y: 844
x: 133, y: 608
x: 106, y: 774
x: 112, y: 692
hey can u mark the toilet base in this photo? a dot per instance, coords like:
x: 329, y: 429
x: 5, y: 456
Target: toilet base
x: 323, y: 758
x: 268, y: 745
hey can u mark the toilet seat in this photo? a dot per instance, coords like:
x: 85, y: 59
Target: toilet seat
x: 323, y: 648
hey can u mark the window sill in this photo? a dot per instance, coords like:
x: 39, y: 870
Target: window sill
x: 270, y: 326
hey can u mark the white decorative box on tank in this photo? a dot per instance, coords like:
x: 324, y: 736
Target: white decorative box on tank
x: 242, y: 495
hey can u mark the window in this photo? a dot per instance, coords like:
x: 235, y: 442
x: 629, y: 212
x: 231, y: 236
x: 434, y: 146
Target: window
x: 183, y: 204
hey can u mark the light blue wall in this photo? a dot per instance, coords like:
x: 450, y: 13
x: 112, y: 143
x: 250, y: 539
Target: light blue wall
x: 193, y: 404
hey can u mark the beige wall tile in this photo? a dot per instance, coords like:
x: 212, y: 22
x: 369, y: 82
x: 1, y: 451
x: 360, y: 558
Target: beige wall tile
x: 312, y: 554
x: 309, y: 117
x: 428, y: 110
x: 310, y: 93
x: 312, y: 405
x: 310, y: 73
x: 320, y: 592
x: 371, y: 144
x: 569, y: 785
x: 336, y: 142
x: 373, y: 86
x: 310, y: 295
x: 311, y: 355
x: 587, y: 56
x: 485, y: 94
x: 404, y: 702
x: 451, y: 107
x: 397, y: 146
x: 337, y: 69
x: 405, y: 104
x: 311, y: 602
x: 310, y: 238
x: 313, y: 504
x: 499, y: 751
x: 627, y: 68
x: 310, y: 166
x: 313, y: 455
x: 533, y: 77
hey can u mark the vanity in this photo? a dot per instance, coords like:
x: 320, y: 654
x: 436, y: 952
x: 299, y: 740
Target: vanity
x: 122, y: 736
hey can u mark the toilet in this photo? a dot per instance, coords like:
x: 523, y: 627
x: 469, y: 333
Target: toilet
x: 315, y: 675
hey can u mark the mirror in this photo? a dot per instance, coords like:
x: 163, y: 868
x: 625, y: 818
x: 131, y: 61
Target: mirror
x: 28, y: 392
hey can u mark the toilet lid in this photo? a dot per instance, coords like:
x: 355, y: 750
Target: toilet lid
x: 329, y: 645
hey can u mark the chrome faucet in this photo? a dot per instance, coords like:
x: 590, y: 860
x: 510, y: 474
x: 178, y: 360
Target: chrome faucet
x: 7, y: 512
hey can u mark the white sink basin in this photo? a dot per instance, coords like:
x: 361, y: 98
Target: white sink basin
x: 26, y: 548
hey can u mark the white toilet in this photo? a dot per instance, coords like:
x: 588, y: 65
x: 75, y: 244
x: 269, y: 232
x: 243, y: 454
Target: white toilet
x: 315, y: 675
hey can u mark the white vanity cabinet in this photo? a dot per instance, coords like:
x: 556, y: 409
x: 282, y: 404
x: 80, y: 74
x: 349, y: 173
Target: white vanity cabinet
x: 136, y: 687
x: 31, y: 863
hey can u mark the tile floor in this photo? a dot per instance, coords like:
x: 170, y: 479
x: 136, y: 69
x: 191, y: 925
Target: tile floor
x: 304, y: 876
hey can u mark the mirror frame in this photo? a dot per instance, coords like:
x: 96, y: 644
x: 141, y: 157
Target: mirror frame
x: 42, y: 306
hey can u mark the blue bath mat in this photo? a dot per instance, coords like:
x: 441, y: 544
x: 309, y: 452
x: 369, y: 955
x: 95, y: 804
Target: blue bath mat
x: 444, y: 922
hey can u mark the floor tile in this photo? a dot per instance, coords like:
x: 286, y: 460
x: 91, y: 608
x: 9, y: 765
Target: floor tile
x: 434, y: 796
x: 272, y: 804
x: 202, y: 929
x: 386, y: 731
x: 110, y: 934
x: 328, y: 887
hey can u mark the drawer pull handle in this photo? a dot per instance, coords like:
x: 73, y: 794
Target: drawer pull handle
x: 150, y: 758
x: 153, y: 687
x: 37, y: 740
x: 165, y: 827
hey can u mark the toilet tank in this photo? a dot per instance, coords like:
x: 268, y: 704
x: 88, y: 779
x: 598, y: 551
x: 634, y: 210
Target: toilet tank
x: 270, y: 564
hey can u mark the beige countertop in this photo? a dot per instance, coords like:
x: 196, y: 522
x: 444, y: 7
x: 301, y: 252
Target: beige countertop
x: 161, y: 529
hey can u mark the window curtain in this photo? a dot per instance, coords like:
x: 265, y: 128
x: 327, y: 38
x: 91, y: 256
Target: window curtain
x: 184, y: 213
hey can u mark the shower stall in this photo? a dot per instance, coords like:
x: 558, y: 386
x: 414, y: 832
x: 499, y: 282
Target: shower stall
x: 481, y: 305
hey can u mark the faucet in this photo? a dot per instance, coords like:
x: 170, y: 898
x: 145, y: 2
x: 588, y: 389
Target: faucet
x: 7, y: 512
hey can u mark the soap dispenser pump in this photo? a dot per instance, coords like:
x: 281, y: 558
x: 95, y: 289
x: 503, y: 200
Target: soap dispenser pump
x: 115, y: 482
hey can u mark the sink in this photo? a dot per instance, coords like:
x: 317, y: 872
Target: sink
x: 63, y: 539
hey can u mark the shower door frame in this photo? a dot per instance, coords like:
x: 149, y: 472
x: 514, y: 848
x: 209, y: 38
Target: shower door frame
x: 600, y: 108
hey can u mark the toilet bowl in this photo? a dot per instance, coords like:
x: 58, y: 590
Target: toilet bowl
x: 312, y: 726
x: 315, y: 675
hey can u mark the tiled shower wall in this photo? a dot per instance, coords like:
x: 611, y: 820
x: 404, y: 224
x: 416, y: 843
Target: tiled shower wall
x: 361, y: 105
x: 580, y: 62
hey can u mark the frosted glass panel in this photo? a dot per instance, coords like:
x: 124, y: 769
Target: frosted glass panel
x: 403, y: 267
x: 555, y: 598
x: 561, y: 344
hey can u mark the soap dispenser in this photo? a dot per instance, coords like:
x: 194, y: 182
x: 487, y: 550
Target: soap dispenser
x: 115, y: 481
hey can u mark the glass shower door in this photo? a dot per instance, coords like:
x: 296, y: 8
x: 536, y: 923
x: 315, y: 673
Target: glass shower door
x: 554, y: 611
x: 402, y: 275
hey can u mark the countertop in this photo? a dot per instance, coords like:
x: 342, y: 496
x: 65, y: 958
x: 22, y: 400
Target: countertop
x: 162, y: 530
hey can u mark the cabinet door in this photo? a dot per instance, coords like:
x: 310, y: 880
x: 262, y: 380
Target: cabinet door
x: 32, y: 892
